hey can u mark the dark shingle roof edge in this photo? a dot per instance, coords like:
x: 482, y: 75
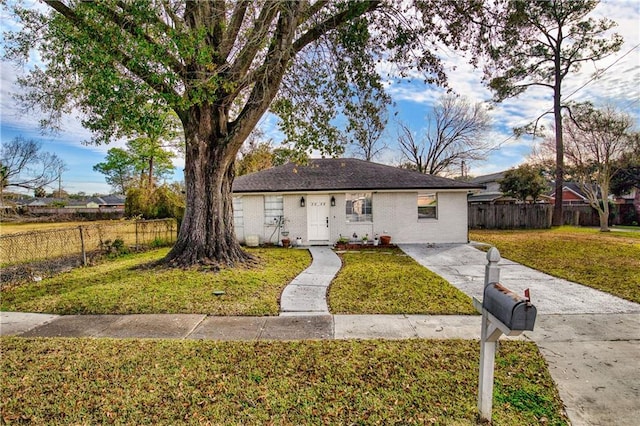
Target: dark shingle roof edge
x: 342, y: 174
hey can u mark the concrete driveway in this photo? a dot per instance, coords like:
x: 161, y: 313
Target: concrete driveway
x: 590, y: 339
x: 463, y: 266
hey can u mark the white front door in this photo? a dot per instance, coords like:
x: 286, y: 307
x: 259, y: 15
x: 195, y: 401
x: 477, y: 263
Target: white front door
x: 318, y: 211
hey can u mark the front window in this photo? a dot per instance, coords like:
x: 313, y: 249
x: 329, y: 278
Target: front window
x: 358, y: 207
x: 273, y: 209
x: 427, y: 206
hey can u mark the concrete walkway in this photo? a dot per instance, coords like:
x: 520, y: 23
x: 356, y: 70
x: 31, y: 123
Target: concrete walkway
x: 590, y: 339
x: 307, y: 293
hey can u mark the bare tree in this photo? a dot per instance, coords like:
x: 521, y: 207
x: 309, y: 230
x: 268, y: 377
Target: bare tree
x: 366, y: 127
x: 594, y: 142
x: 455, y: 134
x: 25, y: 165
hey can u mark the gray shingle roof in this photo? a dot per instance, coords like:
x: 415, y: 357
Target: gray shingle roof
x: 493, y: 177
x: 336, y: 174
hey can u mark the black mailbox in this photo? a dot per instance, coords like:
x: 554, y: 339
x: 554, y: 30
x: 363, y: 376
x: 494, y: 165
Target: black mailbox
x: 514, y: 311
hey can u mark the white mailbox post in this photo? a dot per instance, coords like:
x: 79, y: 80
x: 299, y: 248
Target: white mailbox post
x: 503, y: 312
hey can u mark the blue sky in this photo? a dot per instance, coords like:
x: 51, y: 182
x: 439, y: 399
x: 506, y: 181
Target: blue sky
x: 619, y: 85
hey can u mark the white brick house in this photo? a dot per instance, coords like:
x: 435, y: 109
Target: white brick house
x: 327, y: 198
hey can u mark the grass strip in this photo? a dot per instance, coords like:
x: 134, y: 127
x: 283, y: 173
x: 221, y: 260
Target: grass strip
x: 390, y: 282
x: 606, y: 261
x: 104, y: 381
x: 126, y: 286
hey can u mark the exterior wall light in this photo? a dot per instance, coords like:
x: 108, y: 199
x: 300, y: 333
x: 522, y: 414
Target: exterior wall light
x: 301, y: 201
x: 333, y: 201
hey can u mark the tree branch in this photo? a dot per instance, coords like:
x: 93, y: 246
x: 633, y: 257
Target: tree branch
x: 256, y: 39
x: 275, y: 64
x: 119, y: 56
x: 353, y: 11
x: 234, y: 28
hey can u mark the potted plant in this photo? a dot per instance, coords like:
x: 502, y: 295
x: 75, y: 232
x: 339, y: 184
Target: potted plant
x: 385, y: 240
x: 286, y: 242
x: 342, y: 242
x: 299, y: 241
x: 376, y: 240
x: 365, y: 239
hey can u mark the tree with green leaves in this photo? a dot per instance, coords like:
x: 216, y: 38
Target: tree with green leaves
x: 154, y: 145
x: 159, y: 202
x: 367, y: 120
x: 525, y: 183
x: 254, y: 157
x: 150, y: 160
x: 118, y: 169
x: 219, y: 65
x: 540, y: 43
x: 142, y: 163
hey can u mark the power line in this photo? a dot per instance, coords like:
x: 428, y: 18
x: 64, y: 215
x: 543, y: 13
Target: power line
x: 599, y: 73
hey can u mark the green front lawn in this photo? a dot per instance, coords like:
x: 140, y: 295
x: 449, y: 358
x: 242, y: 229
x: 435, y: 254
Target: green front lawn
x: 104, y: 381
x: 390, y: 282
x: 606, y: 261
x: 128, y: 285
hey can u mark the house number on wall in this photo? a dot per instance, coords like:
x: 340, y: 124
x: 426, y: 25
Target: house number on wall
x: 316, y: 203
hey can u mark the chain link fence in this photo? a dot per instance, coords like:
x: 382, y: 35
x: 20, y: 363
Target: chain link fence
x: 81, y: 241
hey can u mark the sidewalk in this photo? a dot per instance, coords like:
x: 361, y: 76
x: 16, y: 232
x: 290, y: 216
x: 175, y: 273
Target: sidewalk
x: 590, y: 339
x: 286, y: 327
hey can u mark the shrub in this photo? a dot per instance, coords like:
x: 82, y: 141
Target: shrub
x: 114, y: 248
x: 165, y: 201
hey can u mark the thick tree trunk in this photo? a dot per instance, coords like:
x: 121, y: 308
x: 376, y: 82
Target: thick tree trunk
x: 207, y: 234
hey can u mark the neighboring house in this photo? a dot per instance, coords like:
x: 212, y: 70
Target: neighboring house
x: 105, y: 203
x: 629, y: 207
x: 110, y: 202
x: 491, y: 193
x: 329, y: 198
x: 571, y: 195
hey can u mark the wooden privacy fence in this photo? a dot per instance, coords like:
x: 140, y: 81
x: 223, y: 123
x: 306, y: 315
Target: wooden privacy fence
x: 80, y: 240
x: 538, y: 216
x: 510, y: 216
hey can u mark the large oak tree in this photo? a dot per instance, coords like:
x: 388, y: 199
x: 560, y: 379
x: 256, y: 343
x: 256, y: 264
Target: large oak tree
x: 218, y: 65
